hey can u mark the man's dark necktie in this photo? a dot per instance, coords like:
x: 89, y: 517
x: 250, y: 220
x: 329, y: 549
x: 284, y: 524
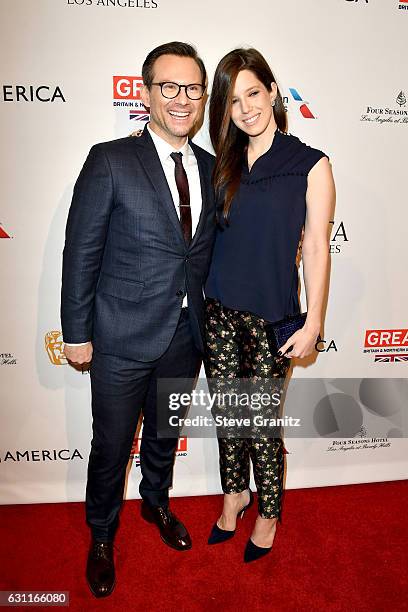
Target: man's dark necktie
x: 184, y: 196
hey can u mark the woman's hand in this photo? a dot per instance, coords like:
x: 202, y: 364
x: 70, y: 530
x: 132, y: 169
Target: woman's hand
x: 302, y: 343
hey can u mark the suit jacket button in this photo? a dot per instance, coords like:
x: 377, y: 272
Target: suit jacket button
x: 180, y: 293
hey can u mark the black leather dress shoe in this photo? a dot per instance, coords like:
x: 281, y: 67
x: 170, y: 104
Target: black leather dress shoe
x: 100, y: 569
x: 172, y: 531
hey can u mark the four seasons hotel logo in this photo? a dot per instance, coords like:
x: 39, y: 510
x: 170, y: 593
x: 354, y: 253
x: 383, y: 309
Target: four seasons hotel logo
x: 401, y: 99
x: 395, y: 113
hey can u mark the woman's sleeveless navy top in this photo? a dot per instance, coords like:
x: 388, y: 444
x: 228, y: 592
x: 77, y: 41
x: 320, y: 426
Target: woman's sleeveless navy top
x: 253, y: 267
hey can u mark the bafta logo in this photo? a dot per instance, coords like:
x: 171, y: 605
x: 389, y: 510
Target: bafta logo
x: 54, y: 348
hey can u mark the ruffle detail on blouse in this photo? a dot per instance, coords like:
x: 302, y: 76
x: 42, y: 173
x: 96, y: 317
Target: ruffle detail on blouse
x: 272, y: 177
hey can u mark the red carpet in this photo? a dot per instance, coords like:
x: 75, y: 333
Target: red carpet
x: 338, y: 548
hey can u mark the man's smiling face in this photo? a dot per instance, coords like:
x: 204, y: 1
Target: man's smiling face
x: 173, y: 119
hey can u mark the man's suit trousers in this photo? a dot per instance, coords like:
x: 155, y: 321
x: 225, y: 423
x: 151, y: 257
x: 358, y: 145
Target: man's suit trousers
x: 121, y: 390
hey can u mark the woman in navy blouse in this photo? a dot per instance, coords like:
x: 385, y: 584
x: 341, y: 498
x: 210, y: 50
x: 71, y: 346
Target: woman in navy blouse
x: 270, y: 187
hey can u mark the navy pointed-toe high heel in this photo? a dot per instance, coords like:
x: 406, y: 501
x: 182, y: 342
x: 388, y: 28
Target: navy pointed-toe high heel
x: 218, y: 535
x: 254, y: 552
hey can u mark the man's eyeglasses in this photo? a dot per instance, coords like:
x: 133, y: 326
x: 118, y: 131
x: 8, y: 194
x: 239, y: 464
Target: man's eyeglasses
x: 170, y: 90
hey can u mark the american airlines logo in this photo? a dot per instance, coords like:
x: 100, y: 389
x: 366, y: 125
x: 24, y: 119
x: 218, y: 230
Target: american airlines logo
x: 3, y: 232
x: 63, y: 454
x: 32, y: 93
x: 303, y: 105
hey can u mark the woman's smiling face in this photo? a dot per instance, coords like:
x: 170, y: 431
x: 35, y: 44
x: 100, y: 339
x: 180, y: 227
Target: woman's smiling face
x: 251, y: 108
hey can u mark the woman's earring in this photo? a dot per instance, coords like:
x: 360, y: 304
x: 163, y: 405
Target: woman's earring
x: 273, y: 103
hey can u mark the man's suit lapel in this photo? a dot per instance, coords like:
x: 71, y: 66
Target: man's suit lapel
x: 205, y: 181
x: 146, y: 151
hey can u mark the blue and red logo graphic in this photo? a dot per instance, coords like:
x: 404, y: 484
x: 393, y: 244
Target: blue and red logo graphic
x: 395, y: 358
x: 138, y: 114
x: 3, y: 233
x: 303, y: 106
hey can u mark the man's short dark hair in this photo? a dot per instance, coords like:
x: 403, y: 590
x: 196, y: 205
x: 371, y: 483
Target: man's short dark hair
x: 172, y: 48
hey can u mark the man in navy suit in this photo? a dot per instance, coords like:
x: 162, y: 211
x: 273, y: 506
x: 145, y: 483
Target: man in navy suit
x: 139, y: 237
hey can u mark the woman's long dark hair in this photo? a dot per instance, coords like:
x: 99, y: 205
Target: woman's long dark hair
x: 228, y: 141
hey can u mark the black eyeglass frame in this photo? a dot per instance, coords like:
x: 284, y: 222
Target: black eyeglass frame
x: 180, y: 87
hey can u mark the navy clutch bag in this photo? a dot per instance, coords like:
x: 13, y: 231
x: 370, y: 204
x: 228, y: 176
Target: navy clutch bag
x: 278, y: 333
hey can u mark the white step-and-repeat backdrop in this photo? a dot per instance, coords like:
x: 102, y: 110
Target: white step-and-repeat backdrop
x: 71, y: 77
